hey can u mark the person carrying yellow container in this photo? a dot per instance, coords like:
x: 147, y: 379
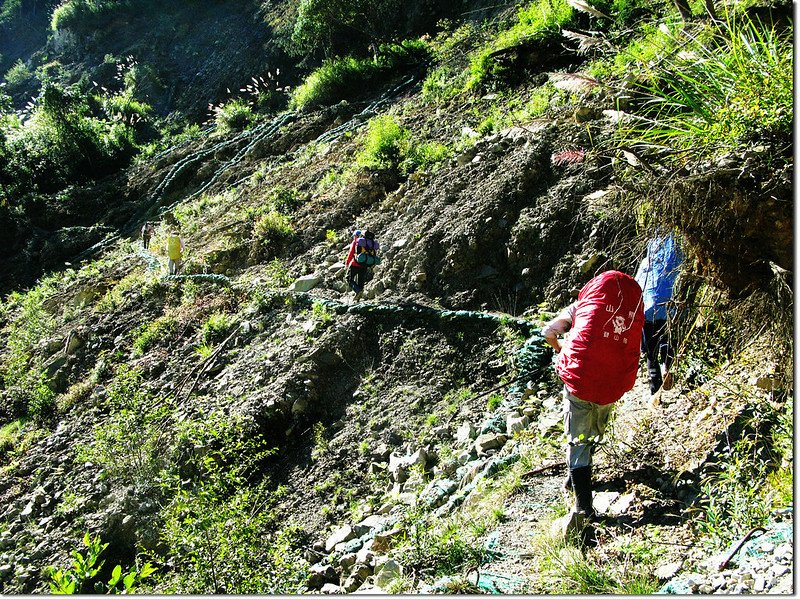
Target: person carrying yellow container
x: 174, y: 252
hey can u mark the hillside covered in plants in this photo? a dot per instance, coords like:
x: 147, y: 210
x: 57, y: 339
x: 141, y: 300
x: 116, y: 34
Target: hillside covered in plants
x: 248, y: 425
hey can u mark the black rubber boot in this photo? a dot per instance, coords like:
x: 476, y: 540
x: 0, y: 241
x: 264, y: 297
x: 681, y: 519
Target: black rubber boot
x: 582, y: 485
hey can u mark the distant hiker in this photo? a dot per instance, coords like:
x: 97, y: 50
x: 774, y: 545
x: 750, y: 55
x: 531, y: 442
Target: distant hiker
x: 174, y: 252
x: 656, y: 276
x: 363, y: 255
x: 148, y: 230
x: 355, y: 274
x: 597, y: 360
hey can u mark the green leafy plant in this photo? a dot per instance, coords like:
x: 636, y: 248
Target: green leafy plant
x: 216, y: 327
x: 321, y: 313
x: 131, y: 444
x: 85, y: 568
x: 321, y: 443
x: 148, y: 335
x: 494, y: 401
x: 222, y: 526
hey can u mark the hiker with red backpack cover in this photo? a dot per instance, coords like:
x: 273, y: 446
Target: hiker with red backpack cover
x: 598, y: 360
x: 363, y: 254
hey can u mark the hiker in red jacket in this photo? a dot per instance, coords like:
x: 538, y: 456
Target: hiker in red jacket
x: 598, y: 361
x: 356, y: 273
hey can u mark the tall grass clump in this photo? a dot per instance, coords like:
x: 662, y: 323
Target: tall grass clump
x: 345, y: 77
x: 383, y: 144
x: 235, y: 115
x: 730, y: 85
x: 537, y: 21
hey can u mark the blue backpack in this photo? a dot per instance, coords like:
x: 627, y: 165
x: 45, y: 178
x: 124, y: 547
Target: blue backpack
x: 367, y: 252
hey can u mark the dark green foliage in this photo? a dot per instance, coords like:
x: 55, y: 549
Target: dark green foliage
x: 65, y: 142
x: 85, y: 15
x: 342, y: 25
x: 285, y: 200
x: 223, y: 531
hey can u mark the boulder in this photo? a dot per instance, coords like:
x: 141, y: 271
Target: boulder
x: 489, y: 441
x: 391, y: 570
x: 320, y: 574
x: 399, y: 464
x: 305, y: 283
x: 340, y: 535
x: 515, y: 424
x: 465, y: 433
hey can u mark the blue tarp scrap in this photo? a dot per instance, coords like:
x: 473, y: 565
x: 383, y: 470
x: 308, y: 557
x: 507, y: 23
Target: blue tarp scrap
x: 490, y: 548
x: 495, y: 583
x: 776, y: 534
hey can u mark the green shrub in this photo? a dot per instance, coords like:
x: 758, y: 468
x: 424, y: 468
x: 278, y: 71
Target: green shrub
x: 336, y: 79
x: 271, y: 231
x: 285, y: 200
x: 234, y: 115
x: 425, y: 156
x: 64, y: 143
x: 222, y: 528
x: 538, y: 20
x: 85, y: 568
x: 148, y: 335
x: 383, y: 145
x: 346, y: 77
x: 83, y: 15
x: 331, y: 24
x: 130, y: 444
x: 494, y: 401
x: 216, y: 328
x: 29, y: 321
x: 18, y: 76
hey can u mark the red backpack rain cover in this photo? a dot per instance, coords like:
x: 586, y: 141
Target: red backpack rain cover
x: 600, y: 360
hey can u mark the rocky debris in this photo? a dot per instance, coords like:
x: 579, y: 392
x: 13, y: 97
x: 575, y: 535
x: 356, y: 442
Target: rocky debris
x: 320, y: 574
x: 399, y: 465
x: 763, y: 565
x: 386, y: 572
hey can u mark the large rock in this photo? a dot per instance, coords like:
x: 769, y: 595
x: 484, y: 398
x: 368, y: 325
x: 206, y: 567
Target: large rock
x: 305, y: 283
x: 399, y: 464
x: 390, y: 571
x: 320, y: 574
x: 489, y: 441
x: 340, y: 535
x: 516, y: 424
x: 465, y: 433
